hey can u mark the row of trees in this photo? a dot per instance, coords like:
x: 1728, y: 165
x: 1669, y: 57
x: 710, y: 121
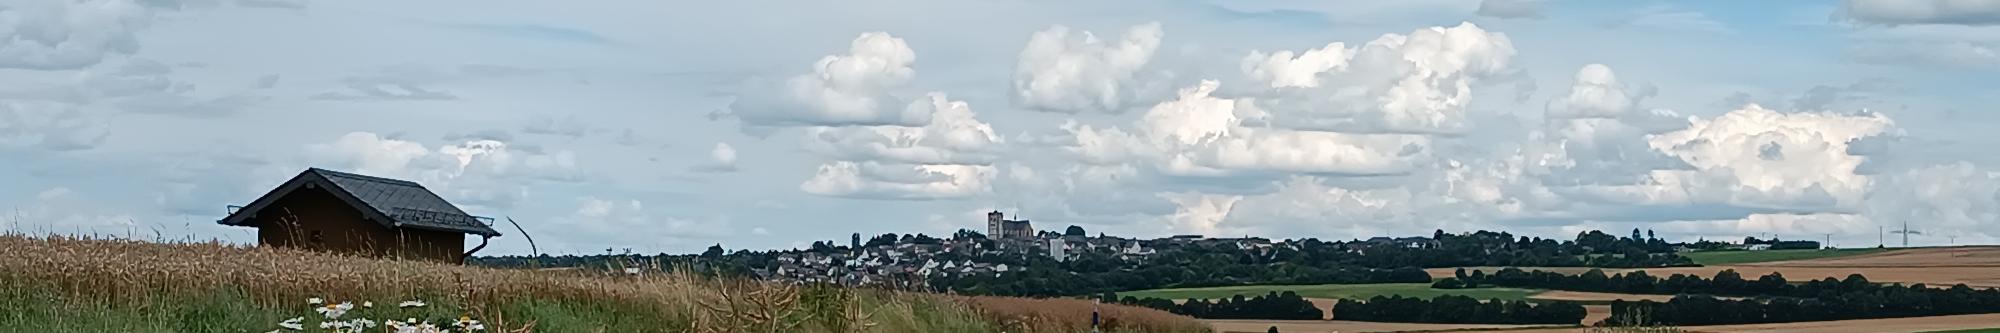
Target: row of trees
x: 1768, y: 299
x: 1886, y: 302
x: 1270, y: 306
x: 1052, y: 281
x: 1726, y: 283
x: 1454, y: 309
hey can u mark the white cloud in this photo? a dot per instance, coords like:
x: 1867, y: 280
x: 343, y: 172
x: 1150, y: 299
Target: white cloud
x: 1201, y: 135
x: 1416, y: 83
x: 855, y: 88
x: 872, y: 180
x: 722, y: 158
x: 1596, y: 93
x: 57, y: 35
x: 1061, y: 71
x: 953, y: 136
x: 1282, y: 69
x: 1762, y: 158
x: 1512, y: 9
x: 1897, y: 12
x: 1201, y: 214
x: 51, y: 125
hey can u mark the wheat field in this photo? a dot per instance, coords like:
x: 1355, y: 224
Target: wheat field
x: 71, y: 284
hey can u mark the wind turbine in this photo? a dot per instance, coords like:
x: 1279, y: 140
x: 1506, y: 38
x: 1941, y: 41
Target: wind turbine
x: 1906, y: 233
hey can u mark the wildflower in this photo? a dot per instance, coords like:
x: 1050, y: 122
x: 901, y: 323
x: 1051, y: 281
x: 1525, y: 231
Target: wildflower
x: 334, y: 311
x: 367, y: 304
x: 293, y: 323
x: 412, y: 304
x: 468, y: 324
x: 315, y: 301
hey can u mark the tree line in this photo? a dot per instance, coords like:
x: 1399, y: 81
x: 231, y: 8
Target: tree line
x: 1455, y: 309
x: 1271, y: 306
x: 1768, y: 299
x: 1047, y: 281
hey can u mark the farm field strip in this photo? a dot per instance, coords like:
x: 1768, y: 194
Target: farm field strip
x: 1335, y: 291
x: 1707, y: 258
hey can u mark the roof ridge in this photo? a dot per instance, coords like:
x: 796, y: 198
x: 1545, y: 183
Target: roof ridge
x: 327, y: 172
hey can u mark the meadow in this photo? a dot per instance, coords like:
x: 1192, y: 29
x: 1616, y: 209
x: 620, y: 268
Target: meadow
x: 1750, y: 257
x: 62, y: 284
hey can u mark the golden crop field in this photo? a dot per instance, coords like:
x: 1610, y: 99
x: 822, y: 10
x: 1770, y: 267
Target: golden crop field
x: 90, y: 285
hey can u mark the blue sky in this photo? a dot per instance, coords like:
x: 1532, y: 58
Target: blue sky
x: 671, y: 126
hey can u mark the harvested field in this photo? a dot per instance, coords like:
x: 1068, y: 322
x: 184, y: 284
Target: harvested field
x: 1258, y: 326
x: 1559, y: 295
x: 1595, y: 313
x: 1938, y: 266
x: 1891, y: 325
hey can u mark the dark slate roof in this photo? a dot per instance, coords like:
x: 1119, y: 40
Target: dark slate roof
x: 391, y: 202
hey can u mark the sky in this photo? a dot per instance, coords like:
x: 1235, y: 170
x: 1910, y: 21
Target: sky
x: 669, y: 126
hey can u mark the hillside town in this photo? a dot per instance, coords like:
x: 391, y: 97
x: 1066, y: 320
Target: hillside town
x: 911, y: 260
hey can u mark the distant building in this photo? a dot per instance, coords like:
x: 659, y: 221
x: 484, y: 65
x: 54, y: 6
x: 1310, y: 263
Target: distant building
x: 1757, y: 247
x: 332, y: 211
x: 999, y: 227
x: 1056, y: 249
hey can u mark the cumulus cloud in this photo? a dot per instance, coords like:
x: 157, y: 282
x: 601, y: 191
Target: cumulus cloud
x: 60, y: 35
x: 1202, y: 135
x: 854, y: 88
x: 1284, y: 69
x: 1415, y: 83
x: 720, y: 159
x: 1512, y: 9
x: 1073, y: 71
x: 954, y: 136
x: 1899, y: 12
x: 1595, y: 134
x: 1596, y: 93
x: 1763, y: 158
x: 873, y: 180
x: 51, y: 125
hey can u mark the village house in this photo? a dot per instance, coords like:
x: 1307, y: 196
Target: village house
x: 340, y: 212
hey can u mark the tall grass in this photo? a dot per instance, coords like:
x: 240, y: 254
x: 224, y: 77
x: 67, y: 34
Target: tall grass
x: 104, y: 285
